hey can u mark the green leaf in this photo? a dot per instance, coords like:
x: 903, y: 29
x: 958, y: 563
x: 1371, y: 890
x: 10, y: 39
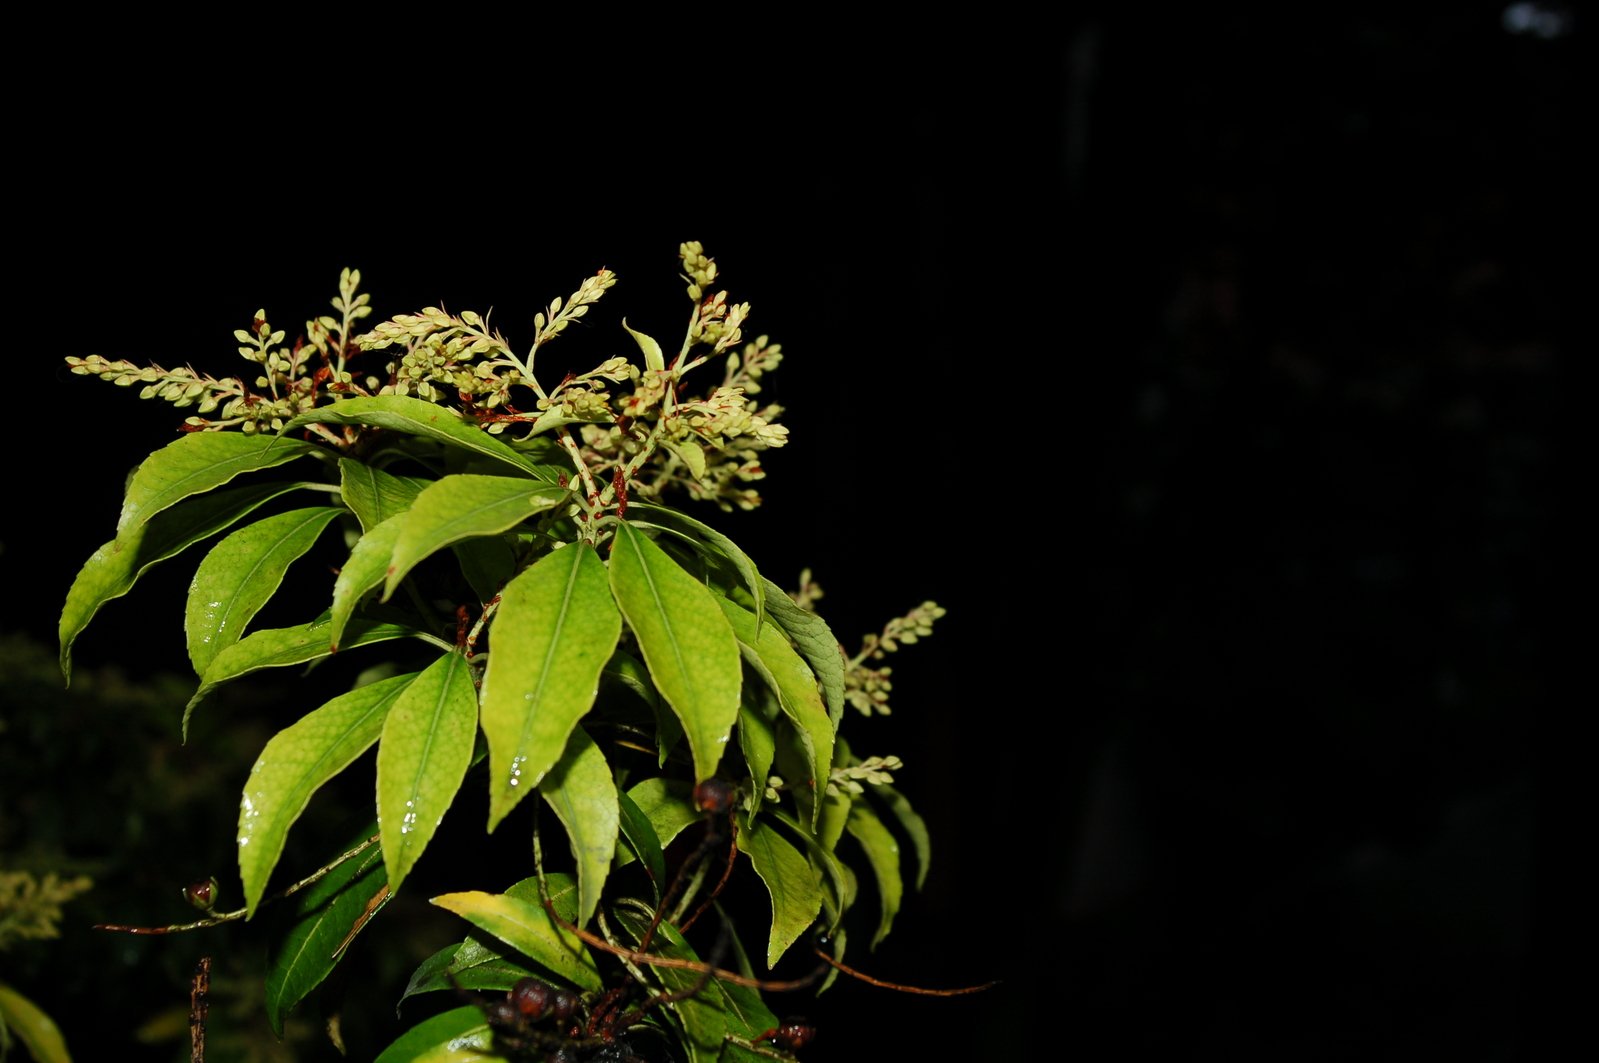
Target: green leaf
x: 687, y: 643
x: 914, y: 826
x: 523, y: 924
x: 460, y: 507
x: 459, y: 1036
x: 580, y: 790
x: 476, y: 964
x: 422, y: 759
x: 241, y: 573
x: 556, y: 628
x: 664, y: 517
x: 641, y: 839
x: 373, y: 495
x: 295, y: 764
x: 882, y: 852
x: 281, y: 646
x: 668, y: 805
x: 363, y: 573
x: 36, y: 1030
x: 417, y: 417
x: 794, y: 886
x: 816, y: 644
x: 112, y: 570
x: 195, y: 463
x: 822, y: 858
x: 767, y: 650
x: 329, y: 914
x: 653, y: 358
x: 757, y: 738
x: 487, y: 563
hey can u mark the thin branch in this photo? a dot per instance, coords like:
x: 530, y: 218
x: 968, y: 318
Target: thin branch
x: 918, y: 990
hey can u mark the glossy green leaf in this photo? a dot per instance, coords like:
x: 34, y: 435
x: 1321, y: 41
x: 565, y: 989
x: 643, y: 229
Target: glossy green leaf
x: 838, y: 940
x: 687, y: 643
x: 882, y: 852
x: 460, y: 507
x: 363, y: 573
x: 417, y: 417
x: 281, y: 646
x: 195, y: 463
x: 669, y: 806
x: 477, y: 963
x: 816, y: 643
x: 459, y: 1036
x: 556, y: 628
x: 373, y: 495
x: 241, y: 573
x: 114, y: 568
x: 665, y: 517
x: 912, y: 824
x: 768, y: 651
x: 327, y: 917
x: 794, y: 885
x: 422, y: 759
x: 629, y: 671
x: 295, y: 764
x: 581, y: 791
x: 641, y: 839
x: 37, y: 1031
x: 757, y: 739
x: 833, y: 873
x: 523, y: 924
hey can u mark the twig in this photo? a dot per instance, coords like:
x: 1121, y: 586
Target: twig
x: 918, y: 990
x: 199, y: 1005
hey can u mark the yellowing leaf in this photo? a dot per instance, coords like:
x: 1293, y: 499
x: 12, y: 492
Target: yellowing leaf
x: 460, y: 507
x: 523, y: 924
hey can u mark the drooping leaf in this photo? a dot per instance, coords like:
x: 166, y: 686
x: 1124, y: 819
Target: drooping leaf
x: 641, y: 839
x: 459, y: 1036
x: 687, y: 643
x: 114, y: 568
x: 914, y: 826
x: 838, y: 939
x: 327, y: 916
x: 241, y: 573
x: 363, y: 573
x: 295, y: 764
x: 417, y: 417
x: 666, y: 517
x: 629, y: 671
x: 556, y: 628
x: 882, y: 853
x: 195, y: 463
x: 479, y: 962
x: 793, y: 884
x: 768, y: 651
x: 581, y: 791
x: 422, y: 758
x: 821, y: 856
x: 523, y: 924
x: 281, y: 646
x: 374, y: 495
x: 816, y: 644
x: 460, y: 507
x: 36, y: 1030
x: 668, y: 805
x: 757, y: 738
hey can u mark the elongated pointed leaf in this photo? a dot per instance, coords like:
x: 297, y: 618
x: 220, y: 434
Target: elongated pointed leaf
x: 882, y: 852
x: 459, y: 1036
x: 768, y: 651
x: 580, y: 790
x: 327, y: 917
x: 816, y: 644
x: 362, y: 574
x: 373, y: 495
x: 653, y: 358
x: 281, y: 646
x: 522, y: 924
x: 793, y: 884
x: 641, y: 839
x: 556, y: 628
x: 479, y: 962
x: 914, y: 826
x: 422, y: 759
x: 36, y: 1030
x: 417, y: 417
x: 195, y: 463
x: 668, y: 805
x: 665, y: 517
x: 757, y: 738
x: 687, y: 643
x: 827, y: 865
x: 460, y: 507
x: 114, y: 568
x: 295, y: 764
x: 241, y: 573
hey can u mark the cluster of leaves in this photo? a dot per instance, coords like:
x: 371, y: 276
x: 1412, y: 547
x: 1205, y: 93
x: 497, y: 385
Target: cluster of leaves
x: 550, y: 625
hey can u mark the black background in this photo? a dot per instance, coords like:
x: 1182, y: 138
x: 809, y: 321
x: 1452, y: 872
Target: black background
x: 1211, y: 372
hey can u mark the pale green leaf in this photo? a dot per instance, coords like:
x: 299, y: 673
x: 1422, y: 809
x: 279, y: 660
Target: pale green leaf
x: 581, y: 791
x: 556, y: 628
x: 882, y: 853
x: 37, y: 1031
x: 460, y: 507
x: 476, y: 963
x: 114, y: 568
x: 241, y: 573
x: 459, y: 1036
x: 523, y: 924
x: 418, y: 417
x: 816, y: 644
x: 686, y: 641
x: 666, y: 517
x: 668, y: 805
x: 653, y: 358
x: 641, y: 839
x: 295, y: 764
x: 373, y: 495
x: 422, y: 759
x: 794, y: 885
x: 757, y: 738
x: 362, y: 574
x: 195, y: 463
x: 914, y: 826
x: 828, y: 865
